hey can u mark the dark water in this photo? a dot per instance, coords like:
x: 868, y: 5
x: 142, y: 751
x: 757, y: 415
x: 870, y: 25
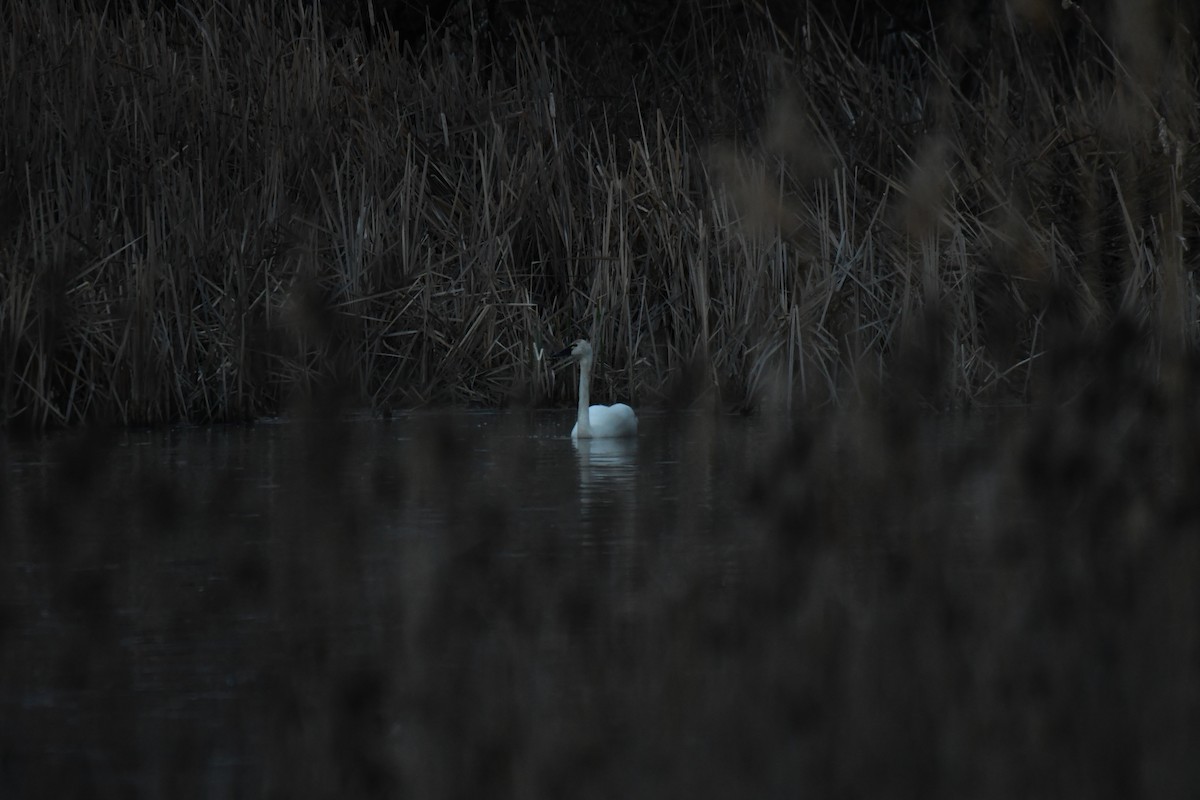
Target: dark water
x: 470, y: 604
x: 196, y: 610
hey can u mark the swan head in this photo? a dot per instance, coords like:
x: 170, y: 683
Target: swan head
x: 577, y: 350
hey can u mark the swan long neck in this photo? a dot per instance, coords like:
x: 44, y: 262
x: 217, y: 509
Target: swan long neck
x: 585, y: 384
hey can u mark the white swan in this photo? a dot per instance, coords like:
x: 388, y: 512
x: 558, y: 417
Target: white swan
x: 596, y: 422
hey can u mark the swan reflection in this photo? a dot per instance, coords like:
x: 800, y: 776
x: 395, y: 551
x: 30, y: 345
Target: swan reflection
x: 607, y: 469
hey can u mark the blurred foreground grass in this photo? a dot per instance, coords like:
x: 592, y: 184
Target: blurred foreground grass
x: 881, y: 604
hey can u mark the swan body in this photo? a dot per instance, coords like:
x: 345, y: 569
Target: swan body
x: 596, y: 422
x: 607, y: 422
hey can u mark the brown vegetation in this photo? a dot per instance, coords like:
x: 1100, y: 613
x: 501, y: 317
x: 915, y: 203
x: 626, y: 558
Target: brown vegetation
x: 214, y: 209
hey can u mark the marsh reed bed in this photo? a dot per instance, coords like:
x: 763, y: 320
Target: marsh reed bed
x: 212, y: 209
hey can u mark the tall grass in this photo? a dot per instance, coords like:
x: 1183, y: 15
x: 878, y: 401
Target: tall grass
x: 212, y: 211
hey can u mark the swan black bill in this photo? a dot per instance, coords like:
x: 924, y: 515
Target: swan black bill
x: 564, y: 353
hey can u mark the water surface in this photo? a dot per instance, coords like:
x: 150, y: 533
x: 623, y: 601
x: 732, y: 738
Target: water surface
x: 471, y: 604
x: 187, y: 606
